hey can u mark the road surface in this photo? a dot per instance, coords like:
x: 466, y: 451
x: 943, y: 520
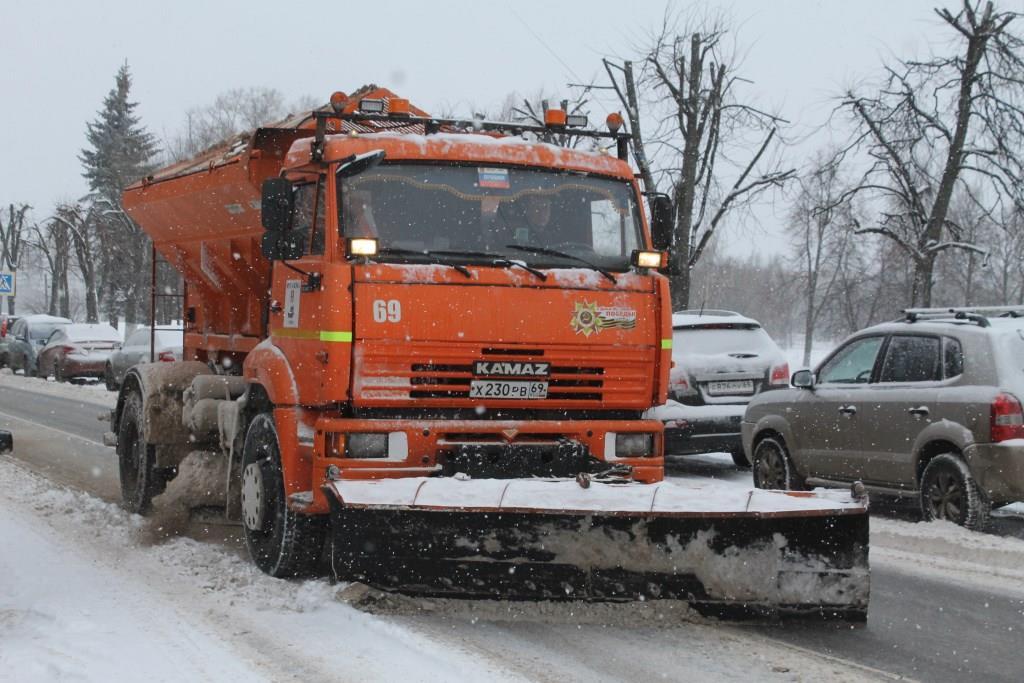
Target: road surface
x: 921, y: 626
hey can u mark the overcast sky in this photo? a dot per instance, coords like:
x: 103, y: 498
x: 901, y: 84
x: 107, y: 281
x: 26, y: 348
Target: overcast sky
x: 58, y: 59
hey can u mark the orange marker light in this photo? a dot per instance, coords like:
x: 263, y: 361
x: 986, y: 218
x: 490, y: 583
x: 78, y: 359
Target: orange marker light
x: 338, y: 100
x: 614, y: 122
x: 554, y: 117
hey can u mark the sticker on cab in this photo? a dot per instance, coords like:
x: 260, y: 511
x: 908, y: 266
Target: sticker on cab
x: 493, y: 177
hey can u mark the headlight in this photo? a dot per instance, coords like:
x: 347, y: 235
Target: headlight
x: 376, y: 445
x: 631, y: 445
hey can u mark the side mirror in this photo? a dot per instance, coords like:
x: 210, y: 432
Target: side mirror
x: 358, y: 163
x: 276, y: 205
x: 803, y: 379
x: 283, y: 246
x: 661, y: 222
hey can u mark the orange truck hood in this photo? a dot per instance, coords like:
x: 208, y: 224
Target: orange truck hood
x: 597, y: 342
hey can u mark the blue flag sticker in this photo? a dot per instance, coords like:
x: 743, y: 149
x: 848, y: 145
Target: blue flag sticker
x: 493, y: 177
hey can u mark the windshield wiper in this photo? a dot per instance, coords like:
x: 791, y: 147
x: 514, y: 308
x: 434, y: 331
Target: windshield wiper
x: 494, y: 258
x: 425, y: 252
x: 530, y: 249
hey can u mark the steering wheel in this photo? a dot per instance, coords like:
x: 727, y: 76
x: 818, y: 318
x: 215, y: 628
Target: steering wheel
x: 864, y: 375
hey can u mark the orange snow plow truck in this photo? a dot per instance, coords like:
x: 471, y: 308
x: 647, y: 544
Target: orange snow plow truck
x: 424, y: 346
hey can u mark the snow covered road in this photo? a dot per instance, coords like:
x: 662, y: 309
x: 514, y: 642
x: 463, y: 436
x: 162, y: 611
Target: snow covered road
x: 933, y: 615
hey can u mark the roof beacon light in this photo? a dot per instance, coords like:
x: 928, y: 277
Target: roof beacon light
x: 554, y: 118
x: 362, y: 246
x: 614, y: 122
x: 576, y: 120
x: 371, y: 106
x: 338, y: 100
x: 399, y: 106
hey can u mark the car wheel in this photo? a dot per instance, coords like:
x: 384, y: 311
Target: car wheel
x: 281, y: 542
x: 58, y: 373
x: 950, y: 492
x: 773, y: 468
x: 108, y: 378
x: 739, y: 458
x: 31, y: 371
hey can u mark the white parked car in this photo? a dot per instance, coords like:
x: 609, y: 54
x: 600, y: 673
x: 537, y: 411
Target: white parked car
x: 136, y: 350
x: 721, y: 360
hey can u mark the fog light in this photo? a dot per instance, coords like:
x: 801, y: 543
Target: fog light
x: 369, y: 105
x: 576, y: 121
x: 373, y: 445
x: 362, y: 246
x: 633, y: 445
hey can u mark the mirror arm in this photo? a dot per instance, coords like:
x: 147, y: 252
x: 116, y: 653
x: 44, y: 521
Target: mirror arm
x: 312, y: 279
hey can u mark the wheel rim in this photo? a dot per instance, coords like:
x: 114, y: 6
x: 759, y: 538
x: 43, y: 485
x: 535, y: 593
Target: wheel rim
x: 253, y: 501
x: 771, y: 466
x: 946, y: 497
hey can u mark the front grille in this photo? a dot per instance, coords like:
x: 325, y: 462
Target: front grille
x: 441, y: 373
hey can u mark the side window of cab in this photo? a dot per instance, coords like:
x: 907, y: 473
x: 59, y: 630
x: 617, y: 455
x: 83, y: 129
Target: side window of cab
x: 308, y: 216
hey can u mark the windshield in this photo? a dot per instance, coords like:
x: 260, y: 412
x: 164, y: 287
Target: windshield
x: 425, y: 208
x: 41, y: 331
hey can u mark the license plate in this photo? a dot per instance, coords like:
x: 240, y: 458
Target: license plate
x: 485, y: 388
x: 735, y: 386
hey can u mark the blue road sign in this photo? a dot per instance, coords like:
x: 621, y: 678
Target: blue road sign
x: 6, y: 283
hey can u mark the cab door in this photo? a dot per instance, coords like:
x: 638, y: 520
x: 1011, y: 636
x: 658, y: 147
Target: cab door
x: 297, y: 295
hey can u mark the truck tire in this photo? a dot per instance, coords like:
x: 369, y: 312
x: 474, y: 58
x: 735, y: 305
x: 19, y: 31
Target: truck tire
x: 140, y: 478
x: 281, y: 542
x: 950, y: 492
x: 773, y: 468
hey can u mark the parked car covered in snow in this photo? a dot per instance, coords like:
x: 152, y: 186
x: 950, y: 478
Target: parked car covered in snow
x: 78, y: 350
x: 28, y: 336
x: 136, y: 350
x: 721, y: 360
x: 6, y: 323
x: 928, y: 406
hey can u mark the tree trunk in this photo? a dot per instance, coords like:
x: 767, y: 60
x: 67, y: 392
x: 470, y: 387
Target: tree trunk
x: 680, y: 288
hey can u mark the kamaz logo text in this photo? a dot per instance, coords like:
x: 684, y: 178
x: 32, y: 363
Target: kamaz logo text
x: 507, y: 369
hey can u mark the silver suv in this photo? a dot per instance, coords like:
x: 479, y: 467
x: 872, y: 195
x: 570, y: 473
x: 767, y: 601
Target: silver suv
x: 930, y: 404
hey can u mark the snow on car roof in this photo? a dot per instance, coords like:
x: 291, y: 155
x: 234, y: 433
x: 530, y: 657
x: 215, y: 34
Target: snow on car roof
x: 91, y: 332
x: 44, y: 318
x: 710, y: 317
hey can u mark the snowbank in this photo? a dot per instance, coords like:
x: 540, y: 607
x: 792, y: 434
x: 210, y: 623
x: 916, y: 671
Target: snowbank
x: 94, y: 392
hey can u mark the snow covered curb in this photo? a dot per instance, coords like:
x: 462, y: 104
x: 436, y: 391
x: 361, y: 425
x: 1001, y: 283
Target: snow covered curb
x: 943, y: 548
x: 89, y: 393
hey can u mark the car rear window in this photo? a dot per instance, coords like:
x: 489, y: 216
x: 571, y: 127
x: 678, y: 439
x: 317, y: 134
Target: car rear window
x: 715, y: 339
x: 41, y: 331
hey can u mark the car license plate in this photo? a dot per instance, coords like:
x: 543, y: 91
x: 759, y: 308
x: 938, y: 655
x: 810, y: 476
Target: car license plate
x: 736, y: 386
x: 486, y: 388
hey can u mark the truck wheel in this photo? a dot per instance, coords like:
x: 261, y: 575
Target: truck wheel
x: 281, y: 542
x: 140, y: 479
x: 739, y: 458
x: 949, y: 492
x: 773, y: 468
x: 108, y: 378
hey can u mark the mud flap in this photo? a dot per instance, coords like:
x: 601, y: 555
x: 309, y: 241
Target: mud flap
x: 725, y: 563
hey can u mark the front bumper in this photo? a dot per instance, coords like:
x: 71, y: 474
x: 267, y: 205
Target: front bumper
x: 704, y: 429
x: 999, y: 469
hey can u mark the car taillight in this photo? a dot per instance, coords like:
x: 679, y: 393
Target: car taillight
x: 69, y: 349
x: 780, y: 374
x: 1007, y: 418
x: 166, y: 357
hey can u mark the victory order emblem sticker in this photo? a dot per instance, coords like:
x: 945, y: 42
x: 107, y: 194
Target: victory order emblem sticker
x: 589, y: 318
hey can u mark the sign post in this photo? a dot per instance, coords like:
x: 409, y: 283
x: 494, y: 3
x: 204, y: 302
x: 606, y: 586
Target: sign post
x: 8, y: 280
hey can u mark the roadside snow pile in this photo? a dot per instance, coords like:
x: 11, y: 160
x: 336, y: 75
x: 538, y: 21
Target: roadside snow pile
x: 78, y: 589
x: 939, y: 547
x: 89, y: 393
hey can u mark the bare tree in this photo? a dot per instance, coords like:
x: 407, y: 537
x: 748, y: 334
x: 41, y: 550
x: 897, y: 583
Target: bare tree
x: 12, y: 236
x: 934, y: 125
x: 710, y: 150
x: 53, y: 241
x: 819, y: 228
x: 82, y: 228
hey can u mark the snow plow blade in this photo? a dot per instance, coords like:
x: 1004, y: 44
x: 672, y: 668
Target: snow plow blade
x: 753, y: 554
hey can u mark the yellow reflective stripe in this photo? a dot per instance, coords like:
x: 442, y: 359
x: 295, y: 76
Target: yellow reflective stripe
x: 666, y: 343
x: 312, y: 335
x: 328, y: 336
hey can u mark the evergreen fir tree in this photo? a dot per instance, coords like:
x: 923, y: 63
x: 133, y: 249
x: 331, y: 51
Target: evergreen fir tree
x: 120, y: 152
